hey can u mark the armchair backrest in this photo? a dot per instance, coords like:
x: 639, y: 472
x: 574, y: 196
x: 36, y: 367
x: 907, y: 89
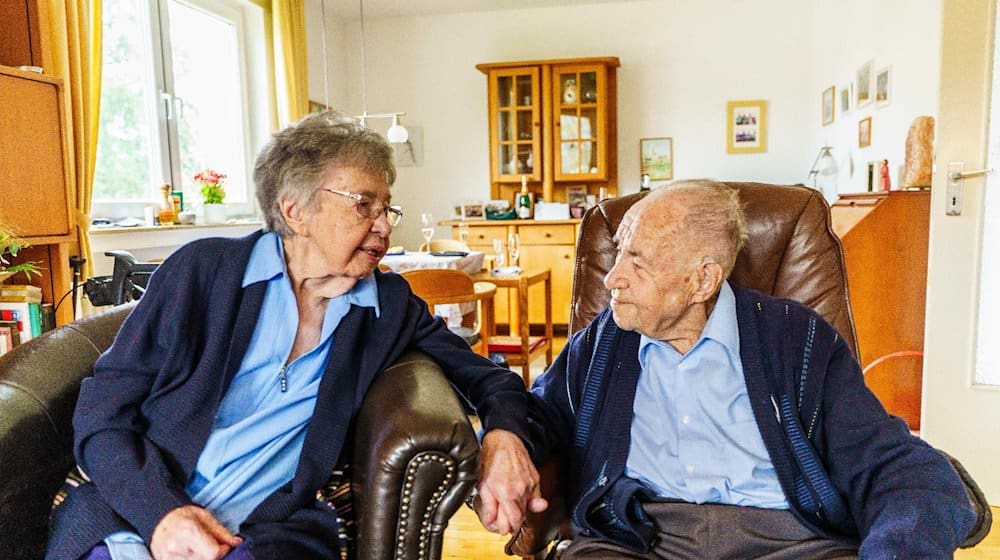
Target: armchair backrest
x: 791, y: 252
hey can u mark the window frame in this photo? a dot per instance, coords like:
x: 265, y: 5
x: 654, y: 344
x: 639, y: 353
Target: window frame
x: 249, y: 19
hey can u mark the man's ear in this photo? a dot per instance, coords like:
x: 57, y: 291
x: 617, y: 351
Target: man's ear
x: 291, y: 211
x: 709, y: 280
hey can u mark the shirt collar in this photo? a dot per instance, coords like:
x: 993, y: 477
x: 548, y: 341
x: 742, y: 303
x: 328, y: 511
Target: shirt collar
x: 267, y: 262
x: 720, y: 327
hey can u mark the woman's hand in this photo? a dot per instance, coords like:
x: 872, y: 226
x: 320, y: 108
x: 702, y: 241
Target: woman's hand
x: 191, y: 533
x: 508, y: 483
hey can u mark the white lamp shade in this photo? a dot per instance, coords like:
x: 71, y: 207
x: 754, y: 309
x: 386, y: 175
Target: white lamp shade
x: 397, y: 133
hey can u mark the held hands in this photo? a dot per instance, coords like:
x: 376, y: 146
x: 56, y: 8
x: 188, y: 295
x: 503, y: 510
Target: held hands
x: 192, y: 533
x: 508, y: 483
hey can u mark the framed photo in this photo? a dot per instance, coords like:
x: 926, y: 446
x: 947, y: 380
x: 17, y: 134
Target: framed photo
x: 865, y: 132
x: 473, y: 211
x: 829, y: 95
x: 845, y: 98
x: 656, y: 158
x: 883, y: 86
x: 746, y: 126
x: 865, y: 85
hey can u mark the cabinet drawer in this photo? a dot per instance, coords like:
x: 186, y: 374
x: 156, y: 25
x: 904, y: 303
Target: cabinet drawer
x: 486, y: 234
x: 547, y: 235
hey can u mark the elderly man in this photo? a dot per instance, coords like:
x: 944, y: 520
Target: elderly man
x: 704, y: 420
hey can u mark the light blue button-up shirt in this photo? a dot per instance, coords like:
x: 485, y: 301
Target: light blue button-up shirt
x: 694, y: 436
x: 259, y: 429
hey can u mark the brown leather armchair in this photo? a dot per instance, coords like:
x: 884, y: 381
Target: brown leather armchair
x: 791, y: 252
x: 415, y: 454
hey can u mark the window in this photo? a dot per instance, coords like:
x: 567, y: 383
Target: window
x: 183, y: 85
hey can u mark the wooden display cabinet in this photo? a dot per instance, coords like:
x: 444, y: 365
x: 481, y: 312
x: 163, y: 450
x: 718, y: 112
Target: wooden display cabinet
x: 35, y: 177
x: 544, y: 244
x: 553, y: 122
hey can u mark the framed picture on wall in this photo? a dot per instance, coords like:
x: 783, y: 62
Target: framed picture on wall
x: 746, y: 126
x: 656, y: 158
x: 829, y: 95
x: 864, y: 83
x: 883, y: 84
x: 845, y: 98
x: 865, y: 132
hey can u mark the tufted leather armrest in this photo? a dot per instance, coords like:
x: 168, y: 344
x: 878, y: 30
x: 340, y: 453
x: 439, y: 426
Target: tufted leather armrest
x: 416, y: 454
x: 416, y: 458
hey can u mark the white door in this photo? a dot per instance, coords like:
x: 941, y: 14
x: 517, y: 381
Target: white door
x: 961, y: 412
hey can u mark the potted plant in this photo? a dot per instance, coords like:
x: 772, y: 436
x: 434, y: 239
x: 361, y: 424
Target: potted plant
x: 10, y: 245
x: 212, y: 195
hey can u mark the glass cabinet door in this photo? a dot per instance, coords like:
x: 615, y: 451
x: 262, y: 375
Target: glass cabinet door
x: 580, y: 101
x: 515, y: 124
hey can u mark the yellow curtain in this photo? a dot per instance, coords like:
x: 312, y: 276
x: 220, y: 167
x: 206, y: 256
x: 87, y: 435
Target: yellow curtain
x: 291, y: 79
x: 74, y: 54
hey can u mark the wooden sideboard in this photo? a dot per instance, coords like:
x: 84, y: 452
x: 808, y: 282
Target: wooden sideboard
x: 885, y: 240
x: 544, y: 244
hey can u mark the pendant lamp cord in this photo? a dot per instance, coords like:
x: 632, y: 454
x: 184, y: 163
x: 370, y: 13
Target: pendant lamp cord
x: 326, y: 79
x: 364, y: 82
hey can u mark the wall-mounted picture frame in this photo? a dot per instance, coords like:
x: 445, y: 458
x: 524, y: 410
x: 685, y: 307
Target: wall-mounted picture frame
x: 829, y: 98
x: 656, y: 158
x: 473, y: 210
x: 411, y: 152
x: 865, y: 132
x: 883, y: 86
x: 846, y: 92
x: 865, y: 85
x: 746, y: 126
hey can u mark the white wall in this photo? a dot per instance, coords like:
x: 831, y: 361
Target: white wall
x: 903, y: 34
x: 680, y: 63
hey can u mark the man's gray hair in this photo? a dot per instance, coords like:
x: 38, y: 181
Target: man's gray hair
x: 295, y: 160
x: 715, y: 213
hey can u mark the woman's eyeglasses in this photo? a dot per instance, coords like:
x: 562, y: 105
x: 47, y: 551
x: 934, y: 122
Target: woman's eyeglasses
x: 368, y: 209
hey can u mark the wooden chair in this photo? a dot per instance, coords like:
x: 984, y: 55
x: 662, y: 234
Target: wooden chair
x: 443, y: 245
x: 438, y: 286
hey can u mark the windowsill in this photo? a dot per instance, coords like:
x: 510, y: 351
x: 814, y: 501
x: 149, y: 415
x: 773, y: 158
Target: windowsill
x: 173, y: 228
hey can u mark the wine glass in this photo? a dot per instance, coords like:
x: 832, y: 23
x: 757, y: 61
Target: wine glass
x: 427, y: 226
x: 514, y: 248
x: 499, y: 254
x: 463, y: 235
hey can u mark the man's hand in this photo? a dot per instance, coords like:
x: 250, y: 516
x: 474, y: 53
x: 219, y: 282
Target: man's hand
x: 191, y: 533
x: 508, y: 483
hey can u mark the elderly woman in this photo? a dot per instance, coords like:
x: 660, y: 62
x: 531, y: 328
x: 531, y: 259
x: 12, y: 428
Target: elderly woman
x: 224, y: 402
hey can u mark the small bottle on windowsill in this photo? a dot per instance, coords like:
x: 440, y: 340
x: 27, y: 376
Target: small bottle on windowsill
x: 167, y: 213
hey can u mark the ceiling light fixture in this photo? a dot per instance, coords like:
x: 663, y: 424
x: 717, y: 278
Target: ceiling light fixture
x: 397, y: 133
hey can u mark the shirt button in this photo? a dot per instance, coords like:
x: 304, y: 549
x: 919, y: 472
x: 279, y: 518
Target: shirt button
x: 686, y: 419
x: 689, y: 468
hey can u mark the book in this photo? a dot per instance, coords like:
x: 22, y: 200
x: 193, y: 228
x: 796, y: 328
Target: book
x: 21, y: 292
x: 28, y: 324
x: 8, y: 329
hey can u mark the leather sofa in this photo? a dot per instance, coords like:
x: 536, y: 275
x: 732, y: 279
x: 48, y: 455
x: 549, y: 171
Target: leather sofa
x: 791, y: 252
x: 415, y: 453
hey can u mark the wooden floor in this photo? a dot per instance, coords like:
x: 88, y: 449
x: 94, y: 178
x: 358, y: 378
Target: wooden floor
x: 465, y: 539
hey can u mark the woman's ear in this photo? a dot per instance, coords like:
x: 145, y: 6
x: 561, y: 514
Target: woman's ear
x: 291, y: 211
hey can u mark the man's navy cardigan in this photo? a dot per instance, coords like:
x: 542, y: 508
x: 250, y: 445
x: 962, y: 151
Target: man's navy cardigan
x: 144, y: 416
x: 849, y: 470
